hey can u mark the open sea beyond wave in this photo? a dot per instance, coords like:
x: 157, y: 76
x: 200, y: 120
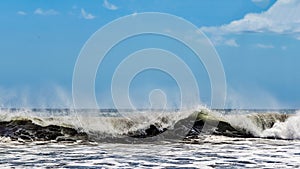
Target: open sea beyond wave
x: 64, y: 138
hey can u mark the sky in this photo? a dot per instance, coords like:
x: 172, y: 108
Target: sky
x: 258, y: 42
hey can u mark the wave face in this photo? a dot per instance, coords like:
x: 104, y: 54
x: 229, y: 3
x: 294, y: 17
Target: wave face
x: 109, y: 125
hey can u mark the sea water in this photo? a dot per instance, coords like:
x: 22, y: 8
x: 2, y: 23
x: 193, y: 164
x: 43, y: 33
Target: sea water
x: 205, y: 151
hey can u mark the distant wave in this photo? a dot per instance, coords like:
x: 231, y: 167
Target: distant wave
x: 65, y: 125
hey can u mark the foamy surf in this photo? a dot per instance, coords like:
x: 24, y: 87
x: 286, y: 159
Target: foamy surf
x: 288, y: 129
x: 95, y: 125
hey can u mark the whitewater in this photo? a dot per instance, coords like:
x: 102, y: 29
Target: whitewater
x: 66, y: 138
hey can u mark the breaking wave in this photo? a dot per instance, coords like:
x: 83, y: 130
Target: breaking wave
x: 109, y: 125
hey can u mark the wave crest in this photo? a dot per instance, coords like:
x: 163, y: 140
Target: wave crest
x: 28, y: 125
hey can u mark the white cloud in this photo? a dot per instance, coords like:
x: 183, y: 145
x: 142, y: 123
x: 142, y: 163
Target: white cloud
x: 86, y: 15
x: 231, y: 42
x: 109, y: 6
x: 134, y: 13
x: 298, y: 37
x: 283, y: 18
x: 219, y: 40
x: 21, y: 13
x: 40, y: 11
x: 259, y: 45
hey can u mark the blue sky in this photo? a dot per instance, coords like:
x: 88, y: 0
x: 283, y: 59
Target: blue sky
x: 258, y: 42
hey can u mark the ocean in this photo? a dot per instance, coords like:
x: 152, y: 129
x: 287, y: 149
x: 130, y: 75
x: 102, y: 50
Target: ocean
x: 201, y: 138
